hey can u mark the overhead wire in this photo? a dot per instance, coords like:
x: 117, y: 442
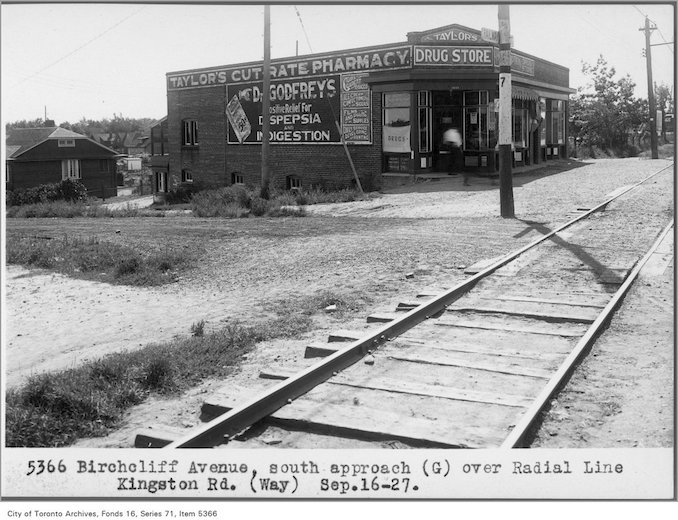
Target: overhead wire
x: 91, y: 40
x: 655, y: 26
x: 308, y: 42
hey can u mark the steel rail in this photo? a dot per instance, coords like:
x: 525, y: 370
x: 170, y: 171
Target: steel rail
x: 520, y: 431
x: 241, y: 417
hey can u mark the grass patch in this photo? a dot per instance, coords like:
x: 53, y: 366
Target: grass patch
x: 241, y: 202
x: 64, y: 209
x: 345, y: 303
x: 57, y: 408
x: 94, y: 259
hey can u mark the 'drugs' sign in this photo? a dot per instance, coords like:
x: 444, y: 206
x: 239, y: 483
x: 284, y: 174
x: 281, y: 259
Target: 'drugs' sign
x: 301, y: 111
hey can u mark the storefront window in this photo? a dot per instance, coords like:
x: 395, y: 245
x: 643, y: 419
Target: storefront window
x: 476, y: 129
x: 520, y: 123
x: 555, y: 129
x: 396, y: 131
x: 424, y: 121
x: 542, y: 127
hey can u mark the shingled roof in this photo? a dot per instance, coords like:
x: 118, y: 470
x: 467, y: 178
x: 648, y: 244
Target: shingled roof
x: 22, y: 139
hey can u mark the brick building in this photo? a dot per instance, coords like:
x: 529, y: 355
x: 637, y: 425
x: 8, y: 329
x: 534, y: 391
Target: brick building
x: 389, y: 105
x: 51, y: 154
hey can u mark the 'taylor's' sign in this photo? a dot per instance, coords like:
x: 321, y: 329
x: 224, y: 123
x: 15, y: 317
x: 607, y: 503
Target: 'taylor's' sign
x: 397, y: 57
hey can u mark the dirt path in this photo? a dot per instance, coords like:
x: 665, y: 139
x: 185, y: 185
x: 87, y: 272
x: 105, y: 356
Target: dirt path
x: 361, y: 248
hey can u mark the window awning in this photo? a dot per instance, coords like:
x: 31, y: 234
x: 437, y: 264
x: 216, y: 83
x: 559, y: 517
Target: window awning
x: 554, y: 95
x: 523, y: 93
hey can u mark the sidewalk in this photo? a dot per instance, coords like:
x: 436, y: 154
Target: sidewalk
x: 139, y: 202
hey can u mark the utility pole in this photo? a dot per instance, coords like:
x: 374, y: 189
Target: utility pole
x: 265, y: 107
x: 650, y: 89
x: 505, y: 112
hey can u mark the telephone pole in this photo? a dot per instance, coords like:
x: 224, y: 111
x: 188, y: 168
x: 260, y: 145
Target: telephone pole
x: 505, y: 127
x: 650, y: 89
x: 265, y: 107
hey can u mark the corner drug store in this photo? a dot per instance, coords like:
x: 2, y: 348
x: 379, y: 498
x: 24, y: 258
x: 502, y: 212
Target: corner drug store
x: 389, y: 105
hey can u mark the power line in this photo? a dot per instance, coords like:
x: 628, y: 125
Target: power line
x: 80, y: 47
x: 655, y: 26
x: 641, y: 12
x: 308, y: 42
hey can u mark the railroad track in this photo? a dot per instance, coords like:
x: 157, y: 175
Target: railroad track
x: 471, y: 366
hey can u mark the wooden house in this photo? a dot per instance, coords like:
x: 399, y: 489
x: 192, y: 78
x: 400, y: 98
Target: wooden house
x: 51, y: 154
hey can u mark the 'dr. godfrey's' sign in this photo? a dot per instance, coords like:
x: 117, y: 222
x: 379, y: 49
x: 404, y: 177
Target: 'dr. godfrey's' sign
x: 307, y: 110
x: 390, y: 58
x: 301, y: 111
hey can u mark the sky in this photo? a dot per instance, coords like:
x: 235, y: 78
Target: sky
x: 96, y: 60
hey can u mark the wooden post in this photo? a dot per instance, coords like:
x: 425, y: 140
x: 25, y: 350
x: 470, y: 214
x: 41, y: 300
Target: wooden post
x: 505, y: 113
x: 650, y: 89
x: 265, y: 107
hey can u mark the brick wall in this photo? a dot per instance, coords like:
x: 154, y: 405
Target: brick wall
x: 207, y: 161
x: 213, y: 162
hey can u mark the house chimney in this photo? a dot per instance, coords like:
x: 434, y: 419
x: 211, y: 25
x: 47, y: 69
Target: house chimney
x: 49, y: 122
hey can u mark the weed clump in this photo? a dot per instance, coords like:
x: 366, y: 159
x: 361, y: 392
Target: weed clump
x: 198, y: 329
x: 90, y: 257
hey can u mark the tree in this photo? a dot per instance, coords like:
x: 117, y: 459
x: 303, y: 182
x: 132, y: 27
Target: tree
x: 664, y: 101
x: 33, y: 123
x: 605, y: 111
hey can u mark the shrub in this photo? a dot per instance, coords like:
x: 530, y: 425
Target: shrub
x: 181, y: 195
x: 258, y: 206
x: 231, y: 201
x: 72, y: 191
x: 68, y: 190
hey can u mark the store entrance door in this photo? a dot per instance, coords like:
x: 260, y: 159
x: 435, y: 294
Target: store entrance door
x: 444, y: 118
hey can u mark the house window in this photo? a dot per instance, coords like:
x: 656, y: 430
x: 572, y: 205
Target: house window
x: 237, y: 178
x: 70, y: 169
x: 186, y: 176
x: 161, y: 182
x: 66, y: 143
x: 190, y: 133
x: 293, y: 183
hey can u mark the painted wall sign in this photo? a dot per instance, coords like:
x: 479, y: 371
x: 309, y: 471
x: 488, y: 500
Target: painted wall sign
x: 450, y: 35
x: 238, y: 119
x: 368, y: 60
x: 465, y: 56
x: 519, y: 64
x: 301, y: 110
x: 492, y: 36
x: 489, y: 35
x: 522, y: 64
x: 356, y: 109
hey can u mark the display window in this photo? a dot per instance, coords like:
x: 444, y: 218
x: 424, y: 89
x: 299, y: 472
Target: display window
x: 424, y: 121
x: 476, y: 128
x: 520, y: 123
x: 555, y: 128
x: 397, y: 125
